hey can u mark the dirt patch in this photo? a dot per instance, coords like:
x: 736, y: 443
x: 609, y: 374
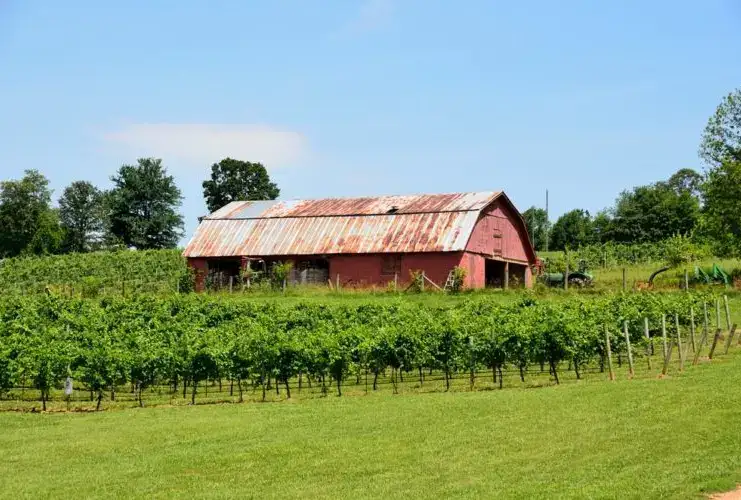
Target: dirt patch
x: 728, y: 495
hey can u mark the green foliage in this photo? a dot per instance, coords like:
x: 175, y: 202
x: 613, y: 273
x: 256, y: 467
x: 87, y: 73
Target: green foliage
x: 235, y: 180
x: 142, y: 206
x: 280, y: 272
x: 573, y: 229
x: 145, y: 341
x: 84, y: 271
x: 721, y: 219
x: 721, y: 140
x: 48, y: 236
x: 536, y: 221
x: 25, y: 216
x: 657, y: 211
x: 681, y: 250
x: 610, y: 254
x: 81, y: 214
x: 459, y: 277
x: 417, y: 281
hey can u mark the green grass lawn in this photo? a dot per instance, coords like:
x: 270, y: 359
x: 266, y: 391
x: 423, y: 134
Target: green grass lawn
x: 645, y: 438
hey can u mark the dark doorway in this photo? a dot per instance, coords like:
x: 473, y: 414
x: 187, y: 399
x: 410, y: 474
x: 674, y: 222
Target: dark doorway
x: 516, y: 275
x: 311, y: 271
x: 494, y: 273
x: 222, y: 272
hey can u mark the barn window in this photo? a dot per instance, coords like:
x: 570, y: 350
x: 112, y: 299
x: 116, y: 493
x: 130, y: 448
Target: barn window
x: 390, y: 264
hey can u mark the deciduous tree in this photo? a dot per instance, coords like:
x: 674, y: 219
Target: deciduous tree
x: 24, y: 205
x: 81, y: 216
x: 536, y: 221
x: 572, y: 230
x: 233, y: 180
x: 721, y: 141
x: 143, y: 206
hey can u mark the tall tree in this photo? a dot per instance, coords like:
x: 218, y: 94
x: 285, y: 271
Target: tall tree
x: 572, y: 230
x: 721, y: 141
x: 233, y: 180
x: 24, y: 204
x: 142, y: 206
x: 49, y: 234
x: 536, y: 221
x: 657, y: 211
x: 81, y: 215
x: 721, y: 218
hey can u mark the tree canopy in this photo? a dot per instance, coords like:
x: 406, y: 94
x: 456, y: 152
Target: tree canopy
x: 721, y: 219
x: 81, y: 216
x: 24, y: 206
x: 657, y: 211
x: 721, y: 141
x: 143, y: 206
x: 572, y: 230
x: 233, y: 180
x: 536, y: 221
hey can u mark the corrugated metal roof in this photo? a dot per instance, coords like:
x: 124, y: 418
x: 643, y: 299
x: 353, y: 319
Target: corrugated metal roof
x: 380, y: 205
x: 418, y: 223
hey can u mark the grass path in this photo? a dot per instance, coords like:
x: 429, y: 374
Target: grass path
x: 648, y: 438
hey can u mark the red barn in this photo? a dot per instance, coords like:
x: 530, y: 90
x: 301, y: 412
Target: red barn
x: 369, y: 241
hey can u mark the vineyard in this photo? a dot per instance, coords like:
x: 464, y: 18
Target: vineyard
x: 92, y: 274
x: 145, y: 346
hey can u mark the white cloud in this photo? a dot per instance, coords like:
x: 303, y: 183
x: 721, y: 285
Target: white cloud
x: 202, y: 144
x: 372, y: 15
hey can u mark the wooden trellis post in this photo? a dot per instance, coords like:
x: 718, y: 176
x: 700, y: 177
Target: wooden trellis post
x: 627, y: 343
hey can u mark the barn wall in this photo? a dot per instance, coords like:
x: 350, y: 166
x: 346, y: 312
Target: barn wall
x: 436, y: 266
x: 200, y: 266
x: 475, y: 270
x: 365, y: 270
x: 498, y: 234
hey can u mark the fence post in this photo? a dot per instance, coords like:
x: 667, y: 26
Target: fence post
x: 649, y: 343
x: 679, y: 342
x: 728, y: 312
x: 715, y: 343
x: 692, y: 329
x: 566, y: 275
x: 667, y: 359
x: 506, y: 275
x: 231, y: 284
x: 396, y: 281
x: 686, y: 281
x: 423, y: 281
x: 337, y: 282
x: 704, y: 334
x: 730, y: 338
x: 717, y: 313
x: 663, y: 334
x: 627, y: 343
x: 609, y: 353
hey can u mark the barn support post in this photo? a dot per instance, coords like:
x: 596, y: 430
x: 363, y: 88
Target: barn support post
x: 506, y: 275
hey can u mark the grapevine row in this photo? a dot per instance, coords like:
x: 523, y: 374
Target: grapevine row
x: 185, y: 340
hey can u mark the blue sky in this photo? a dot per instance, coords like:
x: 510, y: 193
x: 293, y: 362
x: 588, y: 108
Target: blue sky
x: 346, y: 98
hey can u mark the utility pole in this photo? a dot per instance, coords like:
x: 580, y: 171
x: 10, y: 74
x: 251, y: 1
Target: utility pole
x: 546, y: 220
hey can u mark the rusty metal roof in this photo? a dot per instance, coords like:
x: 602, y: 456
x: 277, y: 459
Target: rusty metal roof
x: 385, y: 224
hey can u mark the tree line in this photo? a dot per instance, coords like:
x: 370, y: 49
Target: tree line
x: 704, y: 206
x: 140, y: 210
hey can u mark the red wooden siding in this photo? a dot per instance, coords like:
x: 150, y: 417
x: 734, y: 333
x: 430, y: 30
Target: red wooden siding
x: 499, y: 235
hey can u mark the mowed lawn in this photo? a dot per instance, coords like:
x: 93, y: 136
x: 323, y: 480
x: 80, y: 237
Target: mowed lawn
x: 650, y: 438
